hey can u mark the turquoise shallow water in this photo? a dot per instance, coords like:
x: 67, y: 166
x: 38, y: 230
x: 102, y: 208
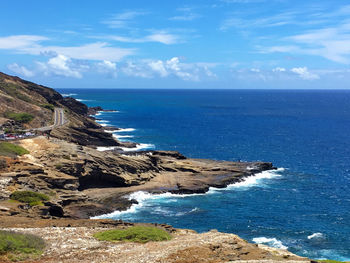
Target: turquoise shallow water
x: 305, y: 206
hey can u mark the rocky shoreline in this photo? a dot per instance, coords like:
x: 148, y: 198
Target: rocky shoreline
x: 82, y: 182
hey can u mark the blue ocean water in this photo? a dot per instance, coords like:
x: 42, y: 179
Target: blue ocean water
x: 305, y: 206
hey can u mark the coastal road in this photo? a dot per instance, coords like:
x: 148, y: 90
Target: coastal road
x: 59, y: 120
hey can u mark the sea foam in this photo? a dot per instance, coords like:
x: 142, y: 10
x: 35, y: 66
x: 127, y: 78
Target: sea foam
x: 102, y: 121
x: 139, y: 147
x: 125, y: 130
x: 122, y: 137
x: 249, y: 181
x: 273, y: 242
x: 68, y: 94
x: 81, y: 100
x: 142, y: 196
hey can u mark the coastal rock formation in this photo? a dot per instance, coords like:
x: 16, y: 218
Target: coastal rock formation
x: 87, y: 182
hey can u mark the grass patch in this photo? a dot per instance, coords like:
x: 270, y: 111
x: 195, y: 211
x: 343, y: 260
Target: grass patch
x: 18, y: 246
x: 140, y: 234
x: 22, y: 117
x: 29, y: 197
x: 11, y: 150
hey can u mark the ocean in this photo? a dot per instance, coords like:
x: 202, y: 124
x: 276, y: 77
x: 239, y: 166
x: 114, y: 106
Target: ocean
x: 303, y: 206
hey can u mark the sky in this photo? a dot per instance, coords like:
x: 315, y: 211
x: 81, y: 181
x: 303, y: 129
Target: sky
x: 209, y: 44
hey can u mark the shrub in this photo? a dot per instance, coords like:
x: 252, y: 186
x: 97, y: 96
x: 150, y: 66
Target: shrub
x: 59, y: 166
x: 141, y: 234
x: 29, y: 197
x: 20, y: 246
x: 19, y: 117
x: 67, y: 157
x: 48, y: 106
x: 10, y: 149
x: 3, y: 164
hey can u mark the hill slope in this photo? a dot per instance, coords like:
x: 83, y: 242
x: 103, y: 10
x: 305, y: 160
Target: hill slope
x: 21, y: 96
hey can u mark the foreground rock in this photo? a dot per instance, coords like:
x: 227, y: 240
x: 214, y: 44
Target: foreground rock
x: 68, y: 242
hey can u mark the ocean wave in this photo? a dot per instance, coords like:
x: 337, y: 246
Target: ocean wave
x: 103, y: 148
x: 138, y: 147
x: 109, y: 111
x: 273, y: 242
x: 159, y: 210
x: 121, y: 137
x: 139, y: 196
x: 111, y: 131
x: 142, y: 196
x: 194, y: 210
x: 254, y: 180
x: 82, y: 100
x: 125, y: 130
x: 102, y: 121
x: 316, y: 236
x: 250, y: 180
x: 68, y: 94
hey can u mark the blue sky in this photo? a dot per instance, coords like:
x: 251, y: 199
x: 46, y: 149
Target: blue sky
x: 280, y: 44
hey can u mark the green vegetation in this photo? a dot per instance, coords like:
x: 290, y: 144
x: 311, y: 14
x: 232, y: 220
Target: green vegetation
x: 19, y: 117
x: 67, y: 157
x: 3, y: 164
x: 29, y: 197
x: 18, y: 246
x: 48, y: 106
x: 11, y: 150
x: 59, y: 166
x: 141, y: 234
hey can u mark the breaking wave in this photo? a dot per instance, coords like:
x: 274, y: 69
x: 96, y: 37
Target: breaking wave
x: 273, y: 242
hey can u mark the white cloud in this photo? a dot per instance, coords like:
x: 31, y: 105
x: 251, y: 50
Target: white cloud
x: 21, y: 70
x: 304, y: 73
x: 122, y: 20
x: 158, y: 66
x: 186, y: 14
x: 107, y: 67
x: 62, y: 66
x: 164, y: 38
x: 94, y: 51
x: 160, y: 36
x: 29, y: 44
x: 136, y: 70
x: 18, y: 42
x: 330, y: 43
x: 255, y: 70
x: 170, y: 67
x: 276, y: 20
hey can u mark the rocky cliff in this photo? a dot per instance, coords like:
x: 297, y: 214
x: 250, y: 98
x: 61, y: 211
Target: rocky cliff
x: 20, y: 96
